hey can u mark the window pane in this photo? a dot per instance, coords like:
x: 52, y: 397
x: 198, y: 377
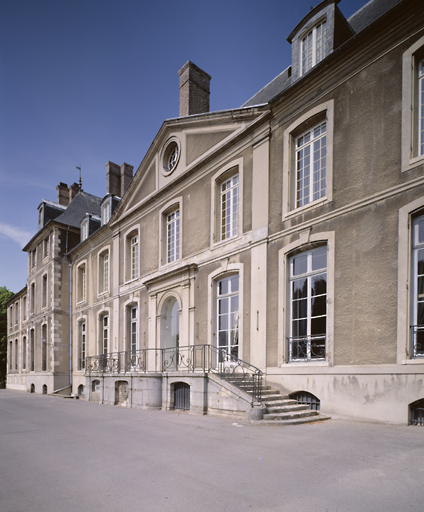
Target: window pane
x: 223, y: 287
x: 319, y: 258
x: 318, y: 325
x: 299, y: 289
x: 300, y: 264
x: 235, y: 283
x: 319, y: 306
x: 319, y: 284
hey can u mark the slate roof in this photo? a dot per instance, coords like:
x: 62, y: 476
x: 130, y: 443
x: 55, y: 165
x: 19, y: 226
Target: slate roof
x: 82, y: 204
x: 360, y: 20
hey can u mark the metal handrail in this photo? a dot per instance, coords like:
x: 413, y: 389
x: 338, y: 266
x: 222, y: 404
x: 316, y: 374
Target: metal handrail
x: 191, y: 358
x: 417, y: 337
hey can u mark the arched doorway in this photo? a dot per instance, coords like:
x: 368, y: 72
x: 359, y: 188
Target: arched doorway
x: 170, y: 333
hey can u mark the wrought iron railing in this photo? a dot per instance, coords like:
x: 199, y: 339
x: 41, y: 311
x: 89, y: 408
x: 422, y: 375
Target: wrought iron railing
x: 307, y: 348
x: 193, y: 358
x: 417, y: 337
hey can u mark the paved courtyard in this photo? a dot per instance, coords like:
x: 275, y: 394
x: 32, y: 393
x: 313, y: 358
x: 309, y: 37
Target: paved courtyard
x: 69, y: 455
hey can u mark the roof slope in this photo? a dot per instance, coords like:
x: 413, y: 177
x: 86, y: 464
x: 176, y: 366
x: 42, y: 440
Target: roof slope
x: 364, y: 17
x: 82, y: 204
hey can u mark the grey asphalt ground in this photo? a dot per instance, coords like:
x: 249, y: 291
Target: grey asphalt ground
x: 60, y: 455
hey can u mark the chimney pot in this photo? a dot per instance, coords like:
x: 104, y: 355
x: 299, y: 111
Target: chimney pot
x: 62, y: 194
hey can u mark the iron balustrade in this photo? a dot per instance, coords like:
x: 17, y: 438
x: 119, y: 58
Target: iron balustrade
x: 189, y: 359
x: 307, y: 348
x: 417, y: 337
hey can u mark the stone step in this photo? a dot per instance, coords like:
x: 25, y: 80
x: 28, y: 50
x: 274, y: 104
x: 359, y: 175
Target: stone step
x: 280, y: 403
x: 295, y: 421
x: 272, y: 397
x: 283, y: 416
x: 287, y: 408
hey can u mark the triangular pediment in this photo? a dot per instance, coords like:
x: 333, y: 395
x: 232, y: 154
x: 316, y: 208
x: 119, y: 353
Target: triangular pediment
x: 196, y: 139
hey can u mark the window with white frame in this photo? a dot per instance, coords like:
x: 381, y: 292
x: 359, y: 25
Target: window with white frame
x: 106, y: 211
x: 308, y: 305
x: 104, y: 272
x: 82, y: 345
x: 46, y: 245
x: 133, y: 331
x: 32, y: 350
x: 420, y: 90
x: 10, y: 355
x: 16, y: 313
x: 32, y: 298
x: 24, y: 352
x: 173, y: 236
x: 16, y: 354
x: 311, y: 157
x: 44, y: 347
x: 313, y: 47
x: 24, y: 307
x: 33, y: 258
x: 229, y: 207
x: 308, y: 159
x: 418, y: 287
x: 413, y: 105
x: 133, y: 242
x: 104, y: 334
x: 44, y: 291
x: 227, y: 317
x: 84, y: 230
x: 10, y: 316
x: 81, y: 282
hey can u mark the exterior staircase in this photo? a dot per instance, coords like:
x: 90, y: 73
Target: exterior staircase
x: 280, y: 409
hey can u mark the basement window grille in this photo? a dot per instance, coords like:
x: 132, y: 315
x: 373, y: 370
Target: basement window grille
x: 305, y: 398
x: 416, y: 413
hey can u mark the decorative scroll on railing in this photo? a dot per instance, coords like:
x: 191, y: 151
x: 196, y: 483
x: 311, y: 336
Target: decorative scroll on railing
x: 193, y: 358
x: 417, y: 336
x: 307, y: 348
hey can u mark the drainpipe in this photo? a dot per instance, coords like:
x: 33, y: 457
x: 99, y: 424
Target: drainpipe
x: 70, y: 311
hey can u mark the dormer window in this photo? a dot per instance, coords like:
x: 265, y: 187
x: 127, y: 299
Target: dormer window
x: 106, y: 211
x: 84, y: 230
x: 313, y: 47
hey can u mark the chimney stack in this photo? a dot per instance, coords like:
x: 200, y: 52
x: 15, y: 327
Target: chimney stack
x: 73, y: 191
x: 126, y: 177
x: 113, y: 179
x: 62, y: 194
x: 118, y: 178
x: 194, y: 90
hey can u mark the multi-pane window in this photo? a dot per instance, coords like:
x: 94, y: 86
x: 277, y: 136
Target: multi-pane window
x: 229, y: 203
x: 173, y: 236
x: 32, y: 297
x: 106, y: 212
x: 418, y: 288
x: 421, y: 107
x: 32, y: 350
x: 133, y: 330
x: 81, y: 284
x: 313, y: 46
x: 105, y: 334
x: 33, y: 257
x: 134, y: 257
x: 84, y: 230
x: 44, y: 347
x: 104, y: 272
x: 81, y: 354
x: 10, y: 355
x: 227, y: 296
x: 46, y: 247
x: 24, y: 308
x: 16, y: 354
x: 311, y: 154
x: 24, y: 352
x: 308, y: 305
x: 44, y: 291
x: 16, y: 313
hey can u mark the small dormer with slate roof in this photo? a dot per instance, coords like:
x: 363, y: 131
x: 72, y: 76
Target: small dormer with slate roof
x: 89, y: 224
x: 107, y: 206
x: 320, y: 32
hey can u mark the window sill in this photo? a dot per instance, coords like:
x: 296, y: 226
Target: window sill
x: 305, y: 363
x: 413, y: 162
x: 221, y: 243
x: 306, y: 207
x: 417, y: 360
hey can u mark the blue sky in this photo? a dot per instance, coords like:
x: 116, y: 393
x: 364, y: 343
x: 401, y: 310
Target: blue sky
x: 87, y: 81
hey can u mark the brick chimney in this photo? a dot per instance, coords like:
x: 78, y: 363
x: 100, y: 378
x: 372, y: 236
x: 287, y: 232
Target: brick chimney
x: 62, y: 194
x: 118, y: 178
x: 73, y: 191
x: 194, y: 90
x: 126, y: 177
x: 113, y: 179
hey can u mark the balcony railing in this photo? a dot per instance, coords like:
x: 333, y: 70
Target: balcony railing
x: 187, y: 359
x: 417, y: 337
x: 307, y: 348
